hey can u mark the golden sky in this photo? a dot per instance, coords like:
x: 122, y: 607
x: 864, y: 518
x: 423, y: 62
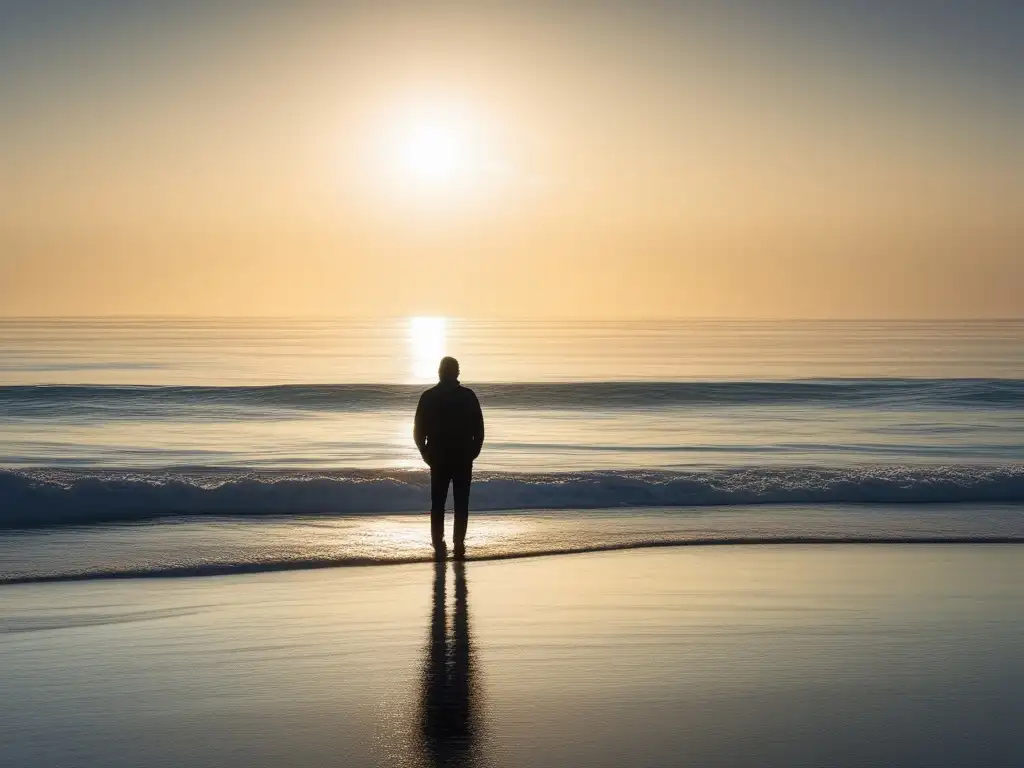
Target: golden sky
x: 578, y: 159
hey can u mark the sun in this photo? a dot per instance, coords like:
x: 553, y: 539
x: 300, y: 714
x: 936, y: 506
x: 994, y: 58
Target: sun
x: 434, y: 153
x: 436, y: 148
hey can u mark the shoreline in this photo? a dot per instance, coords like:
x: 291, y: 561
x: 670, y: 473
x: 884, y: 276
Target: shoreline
x: 242, y: 569
x: 198, y: 547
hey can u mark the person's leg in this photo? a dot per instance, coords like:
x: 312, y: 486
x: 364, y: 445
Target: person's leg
x: 461, y: 478
x: 440, y: 476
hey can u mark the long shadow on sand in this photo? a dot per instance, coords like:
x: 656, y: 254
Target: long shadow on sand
x: 451, y: 728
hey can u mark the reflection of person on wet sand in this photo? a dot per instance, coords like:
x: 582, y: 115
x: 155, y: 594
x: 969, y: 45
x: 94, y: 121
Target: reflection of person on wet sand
x: 449, y: 727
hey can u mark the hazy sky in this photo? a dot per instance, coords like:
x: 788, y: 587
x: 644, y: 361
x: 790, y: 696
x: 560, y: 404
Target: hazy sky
x: 846, y: 159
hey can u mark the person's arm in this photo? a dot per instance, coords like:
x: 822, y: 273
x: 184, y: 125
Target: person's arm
x: 478, y: 427
x: 419, y: 429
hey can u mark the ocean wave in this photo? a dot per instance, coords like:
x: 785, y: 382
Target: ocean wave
x: 171, y: 401
x: 55, y: 497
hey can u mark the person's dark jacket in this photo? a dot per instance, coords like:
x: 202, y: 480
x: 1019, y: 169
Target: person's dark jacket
x: 449, y: 425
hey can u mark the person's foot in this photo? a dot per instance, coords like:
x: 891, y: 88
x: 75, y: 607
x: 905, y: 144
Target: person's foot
x: 460, y: 552
x: 441, y: 551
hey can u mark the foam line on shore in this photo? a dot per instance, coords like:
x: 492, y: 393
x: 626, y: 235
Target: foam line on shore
x: 241, y: 568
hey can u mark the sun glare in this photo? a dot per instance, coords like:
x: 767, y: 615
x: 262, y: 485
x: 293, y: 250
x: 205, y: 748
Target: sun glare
x: 427, y: 344
x: 434, y: 153
x: 435, y: 149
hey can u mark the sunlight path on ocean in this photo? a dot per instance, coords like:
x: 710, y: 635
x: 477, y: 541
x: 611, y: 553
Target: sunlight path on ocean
x: 427, y: 344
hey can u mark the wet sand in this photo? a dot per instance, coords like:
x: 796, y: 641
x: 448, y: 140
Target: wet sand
x: 769, y: 655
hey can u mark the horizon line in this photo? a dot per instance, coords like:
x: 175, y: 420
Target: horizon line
x: 514, y: 318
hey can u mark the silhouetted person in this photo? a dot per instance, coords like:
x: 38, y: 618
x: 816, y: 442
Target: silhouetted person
x: 449, y: 432
x: 450, y: 728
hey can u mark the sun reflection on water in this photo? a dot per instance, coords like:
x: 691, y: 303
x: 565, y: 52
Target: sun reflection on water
x: 428, y: 338
x: 401, y: 538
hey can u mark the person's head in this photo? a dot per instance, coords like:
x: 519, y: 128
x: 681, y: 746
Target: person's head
x: 449, y: 369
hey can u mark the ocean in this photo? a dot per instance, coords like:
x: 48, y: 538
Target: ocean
x: 148, y: 447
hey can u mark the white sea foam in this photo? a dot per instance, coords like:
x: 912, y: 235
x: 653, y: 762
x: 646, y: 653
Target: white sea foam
x: 63, y: 497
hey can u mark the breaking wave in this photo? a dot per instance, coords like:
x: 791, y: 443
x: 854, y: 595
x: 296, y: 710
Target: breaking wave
x: 57, y: 497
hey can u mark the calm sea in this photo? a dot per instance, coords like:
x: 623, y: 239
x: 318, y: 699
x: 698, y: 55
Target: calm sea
x: 211, y: 420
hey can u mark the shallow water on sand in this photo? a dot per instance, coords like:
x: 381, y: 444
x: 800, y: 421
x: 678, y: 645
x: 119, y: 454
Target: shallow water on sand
x: 789, y: 656
x: 206, y: 545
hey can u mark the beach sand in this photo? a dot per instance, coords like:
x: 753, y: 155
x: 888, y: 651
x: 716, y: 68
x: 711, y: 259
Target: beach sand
x: 771, y: 655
